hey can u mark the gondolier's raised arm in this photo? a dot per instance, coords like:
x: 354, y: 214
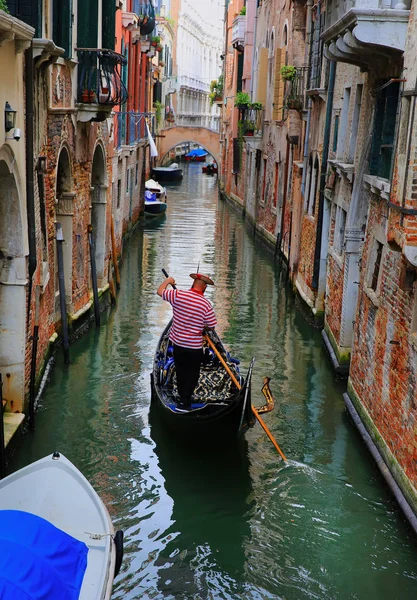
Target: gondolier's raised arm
x: 168, y: 281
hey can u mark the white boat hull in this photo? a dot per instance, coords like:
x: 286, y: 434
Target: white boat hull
x: 54, y: 489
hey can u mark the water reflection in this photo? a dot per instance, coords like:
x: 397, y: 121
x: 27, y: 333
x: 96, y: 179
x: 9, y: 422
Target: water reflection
x: 241, y: 524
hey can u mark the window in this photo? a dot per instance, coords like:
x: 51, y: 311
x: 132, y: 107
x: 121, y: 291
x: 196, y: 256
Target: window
x: 119, y: 192
x: 62, y: 25
x: 335, y: 131
x: 127, y: 180
x: 263, y: 182
x: 236, y: 155
x: 376, y: 265
x: 339, y: 231
x: 355, y: 123
x: 136, y: 175
x: 87, y: 24
x: 275, y: 200
x: 383, y: 135
x: 343, y: 125
x: 314, y: 180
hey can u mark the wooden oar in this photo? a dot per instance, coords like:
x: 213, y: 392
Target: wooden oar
x: 237, y: 384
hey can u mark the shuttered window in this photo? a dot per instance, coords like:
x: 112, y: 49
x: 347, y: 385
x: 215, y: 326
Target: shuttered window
x: 236, y: 156
x: 279, y: 84
x: 62, y: 25
x: 383, y: 136
x: 240, y: 60
x: 28, y: 11
x: 108, y: 34
x: 262, y: 76
x: 87, y: 24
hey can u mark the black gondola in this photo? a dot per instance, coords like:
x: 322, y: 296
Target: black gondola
x: 220, y: 410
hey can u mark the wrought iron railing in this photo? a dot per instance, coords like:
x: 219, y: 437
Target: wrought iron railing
x: 295, y: 95
x: 250, y: 120
x: 99, y: 77
x: 130, y: 127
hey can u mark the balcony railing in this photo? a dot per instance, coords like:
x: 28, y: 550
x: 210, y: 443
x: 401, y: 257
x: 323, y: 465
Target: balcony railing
x: 364, y: 33
x: 238, y: 32
x: 130, y: 127
x: 99, y: 78
x: 250, y: 120
x: 295, y: 96
x: 146, y: 14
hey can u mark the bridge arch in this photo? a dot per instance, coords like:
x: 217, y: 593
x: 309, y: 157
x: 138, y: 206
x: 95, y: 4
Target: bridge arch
x: 175, y: 136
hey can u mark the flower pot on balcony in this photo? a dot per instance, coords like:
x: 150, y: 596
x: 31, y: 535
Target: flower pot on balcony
x: 87, y: 96
x: 159, y: 48
x: 154, y: 44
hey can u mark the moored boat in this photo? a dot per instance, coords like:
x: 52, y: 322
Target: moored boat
x: 219, y: 410
x: 155, y: 198
x: 197, y: 155
x: 171, y: 173
x: 56, y: 537
x: 210, y: 169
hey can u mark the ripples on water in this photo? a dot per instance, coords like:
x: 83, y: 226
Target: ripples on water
x: 229, y: 524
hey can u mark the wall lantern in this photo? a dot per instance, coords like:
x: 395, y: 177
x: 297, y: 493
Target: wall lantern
x: 9, y: 117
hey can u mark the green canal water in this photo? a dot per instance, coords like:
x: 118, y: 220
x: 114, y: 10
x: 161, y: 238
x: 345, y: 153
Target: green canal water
x: 211, y: 524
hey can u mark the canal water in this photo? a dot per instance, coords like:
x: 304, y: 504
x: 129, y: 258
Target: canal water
x: 212, y: 524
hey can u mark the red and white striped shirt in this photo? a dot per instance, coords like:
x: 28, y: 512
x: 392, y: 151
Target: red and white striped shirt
x: 191, y: 312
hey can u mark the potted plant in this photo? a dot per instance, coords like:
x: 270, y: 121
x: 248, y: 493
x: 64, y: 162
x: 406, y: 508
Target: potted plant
x: 155, y: 40
x: 242, y: 11
x: 255, y: 106
x: 248, y: 128
x: 288, y: 72
x: 294, y: 104
x: 242, y: 100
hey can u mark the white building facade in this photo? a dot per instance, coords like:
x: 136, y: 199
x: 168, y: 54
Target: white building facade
x: 199, y: 47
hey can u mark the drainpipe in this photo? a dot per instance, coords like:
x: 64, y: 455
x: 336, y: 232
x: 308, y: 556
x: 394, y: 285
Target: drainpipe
x: 61, y: 281
x: 307, y: 60
x: 329, y: 108
x: 30, y: 195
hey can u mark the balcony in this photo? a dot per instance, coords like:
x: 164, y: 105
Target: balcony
x: 366, y: 33
x: 239, y: 32
x: 100, y: 86
x: 295, y: 94
x: 146, y: 15
x: 129, y: 128
x: 250, y: 121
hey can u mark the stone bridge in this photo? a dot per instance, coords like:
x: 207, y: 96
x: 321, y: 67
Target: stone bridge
x: 174, y: 136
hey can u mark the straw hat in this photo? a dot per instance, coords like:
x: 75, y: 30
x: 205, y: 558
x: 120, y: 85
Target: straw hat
x: 204, y: 278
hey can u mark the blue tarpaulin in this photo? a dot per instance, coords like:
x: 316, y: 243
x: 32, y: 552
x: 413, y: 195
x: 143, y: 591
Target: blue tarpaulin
x: 38, y: 561
x: 197, y: 152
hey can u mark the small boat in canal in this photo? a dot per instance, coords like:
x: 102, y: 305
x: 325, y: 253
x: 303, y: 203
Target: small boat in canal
x: 171, y: 173
x: 56, y: 537
x: 197, y: 155
x: 210, y: 169
x: 155, y: 198
x: 221, y: 409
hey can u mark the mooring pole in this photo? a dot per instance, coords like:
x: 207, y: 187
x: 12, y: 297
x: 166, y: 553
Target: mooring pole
x: 61, y: 281
x: 35, y: 339
x: 2, y: 447
x: 94, y: 274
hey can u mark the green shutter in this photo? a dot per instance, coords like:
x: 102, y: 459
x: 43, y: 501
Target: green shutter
x: 239, y: 71
x: 384, y: 131
x: 62, y: 24
x: 87, y: 24
x: 109, y: 24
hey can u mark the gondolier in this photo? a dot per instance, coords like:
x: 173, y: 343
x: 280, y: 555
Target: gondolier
x: 192, y: 314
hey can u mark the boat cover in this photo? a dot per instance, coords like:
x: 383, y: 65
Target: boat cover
x: 197, y: 152
x: 38, y: 560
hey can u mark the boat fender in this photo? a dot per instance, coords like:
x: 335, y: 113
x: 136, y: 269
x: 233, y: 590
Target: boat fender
x: 118, y: 542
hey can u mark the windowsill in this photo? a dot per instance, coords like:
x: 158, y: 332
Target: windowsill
x: 273, y: 210
x: 337, y: 258
x: 378, y: 186
x: 343, y: 169
x: 309, y: 217
x: 371, y: 295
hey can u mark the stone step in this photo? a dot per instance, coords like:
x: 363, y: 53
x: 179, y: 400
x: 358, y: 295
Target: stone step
x: 12, y: 422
